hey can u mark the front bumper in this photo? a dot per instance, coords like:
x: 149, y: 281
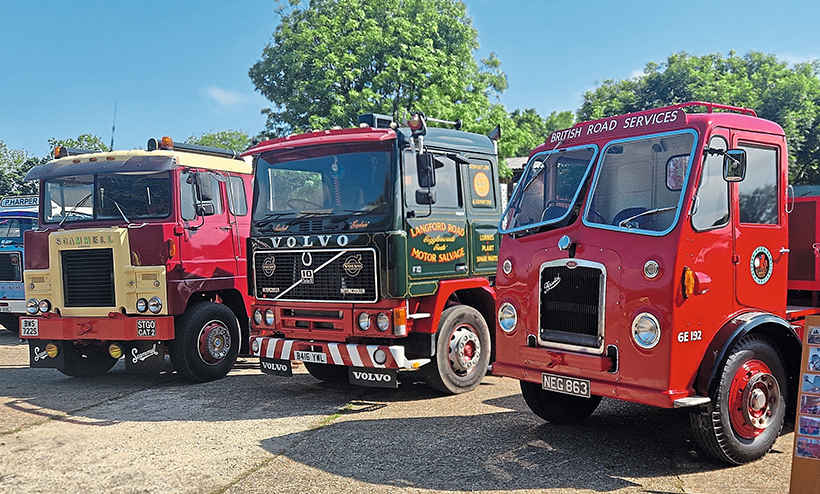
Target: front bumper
x: 115, y: 328
x: 350, y: 355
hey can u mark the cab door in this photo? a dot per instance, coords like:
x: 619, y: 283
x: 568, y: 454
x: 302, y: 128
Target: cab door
x: 760, y: 223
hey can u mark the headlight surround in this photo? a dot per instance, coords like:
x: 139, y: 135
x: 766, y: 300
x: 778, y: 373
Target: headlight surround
x: 155, y: 305
x: 257, y: 317
x: 646, y: 330
x: 364, y: 321
x: 269, y: 317
x: 382, y: 322
x: 32, y: 306
x: 507, y: 317
x: 44, y: 306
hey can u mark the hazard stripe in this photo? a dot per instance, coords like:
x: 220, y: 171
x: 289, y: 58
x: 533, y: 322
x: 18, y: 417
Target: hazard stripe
x: 286, y: 346
x: 335, y: 355
x: 355, y: 358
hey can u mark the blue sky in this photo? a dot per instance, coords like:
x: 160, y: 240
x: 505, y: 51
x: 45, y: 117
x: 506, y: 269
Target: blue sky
x: 181, y: 67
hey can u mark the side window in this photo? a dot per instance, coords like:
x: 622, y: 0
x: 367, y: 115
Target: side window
x: 237, y: 200
x: 757, y: 193
x: 448, y: 192
x: 187, y: 192
x: 713, y: 192
x: 482, y: 193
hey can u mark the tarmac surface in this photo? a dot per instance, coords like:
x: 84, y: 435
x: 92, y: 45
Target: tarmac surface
x: 254, y: 433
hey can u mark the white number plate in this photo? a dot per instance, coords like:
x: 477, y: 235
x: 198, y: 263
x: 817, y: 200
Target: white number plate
x: 566, y: 385
x: 29, y: 327
x: 310, y: 357
x: 5, y: 309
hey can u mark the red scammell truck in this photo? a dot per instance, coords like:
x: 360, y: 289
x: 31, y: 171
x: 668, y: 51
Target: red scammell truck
x: 644, y: 257
x: 138, y: 252
x: 372, y: 250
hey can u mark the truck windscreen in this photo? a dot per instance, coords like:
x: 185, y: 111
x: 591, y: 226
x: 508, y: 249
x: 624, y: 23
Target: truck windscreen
x: 118, y: 196
x: 353, y: 189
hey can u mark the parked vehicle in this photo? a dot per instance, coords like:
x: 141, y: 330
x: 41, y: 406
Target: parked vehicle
x: 17, y: 215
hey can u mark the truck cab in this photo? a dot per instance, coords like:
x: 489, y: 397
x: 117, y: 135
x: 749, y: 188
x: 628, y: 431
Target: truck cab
x: 18, y: 214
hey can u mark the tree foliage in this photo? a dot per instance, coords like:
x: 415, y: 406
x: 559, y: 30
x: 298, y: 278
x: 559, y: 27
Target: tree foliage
x: 226, y: 139
x: 332, y: 60
x: 86, y: 142
x: 788, y: 95
x: 14, y: 164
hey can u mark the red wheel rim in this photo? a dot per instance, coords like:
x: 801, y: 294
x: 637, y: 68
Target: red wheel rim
x: 754, y: 399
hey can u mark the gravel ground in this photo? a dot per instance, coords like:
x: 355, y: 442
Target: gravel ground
x: 253, y: 433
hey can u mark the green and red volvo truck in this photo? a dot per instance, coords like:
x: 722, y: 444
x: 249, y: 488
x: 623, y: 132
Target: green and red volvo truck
x: 645, y: 257
x: 138, y: 254
x: 373, y: 251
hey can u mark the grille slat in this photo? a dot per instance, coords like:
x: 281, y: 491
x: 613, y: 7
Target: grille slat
x: 571, y: 301
x: 341, y: 275
x: 88, y: 277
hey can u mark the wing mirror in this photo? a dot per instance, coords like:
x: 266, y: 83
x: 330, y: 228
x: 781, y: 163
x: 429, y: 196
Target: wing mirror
x: 734, y: 165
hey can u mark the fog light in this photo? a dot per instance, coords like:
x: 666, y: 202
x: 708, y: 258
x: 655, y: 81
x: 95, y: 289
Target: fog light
x: 115, y: 351
x: 382, y: 322
x: 257, y: 317
x: 52, y: 350
x: 155, y: 305
x: 32, y: 306
x: 379, y: 356
x: 507, y: 317
x: 255, y: 345
x: 269, y: 317
x: 646, y: 331
x: 142, y: 305
x: 364, y: 321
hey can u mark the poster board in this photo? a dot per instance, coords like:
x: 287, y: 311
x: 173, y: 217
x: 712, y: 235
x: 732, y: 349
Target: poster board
x: 805, y: 477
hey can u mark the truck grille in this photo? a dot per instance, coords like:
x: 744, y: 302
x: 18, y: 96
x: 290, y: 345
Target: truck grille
x: 572, y: 304
x: 333, y: 275
x: 10, y: 271
x: 88, y: 277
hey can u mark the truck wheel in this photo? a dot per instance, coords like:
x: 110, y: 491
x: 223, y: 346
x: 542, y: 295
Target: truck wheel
x: 462, y: 351
x: 86, y: 361
x: 558, y: 408
x: 748, y: 411
x: 11, y: 322
x: 206, y: 343
x: 328, y: 373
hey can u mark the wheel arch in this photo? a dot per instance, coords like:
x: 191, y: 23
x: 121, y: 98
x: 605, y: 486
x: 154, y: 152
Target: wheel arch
x: 775, y: 328
x: 233, y: 300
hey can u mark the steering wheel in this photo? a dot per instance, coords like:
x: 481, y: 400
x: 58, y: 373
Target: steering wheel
x: 596, y: 217
x: 292, y: 203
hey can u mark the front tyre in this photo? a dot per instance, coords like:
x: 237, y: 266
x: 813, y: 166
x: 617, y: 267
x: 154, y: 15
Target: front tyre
x: 748, y: 409
x: 462, y: 351
x: 558, y: 408
x: 86, y: 360
x: 206, y: 343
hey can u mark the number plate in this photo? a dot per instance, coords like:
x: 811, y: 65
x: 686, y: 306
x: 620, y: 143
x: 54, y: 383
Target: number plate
x: 29, y: 327
x: 566, y: 385
x: 5, y: 309
x: 310, y: 357
x: 146, y: 328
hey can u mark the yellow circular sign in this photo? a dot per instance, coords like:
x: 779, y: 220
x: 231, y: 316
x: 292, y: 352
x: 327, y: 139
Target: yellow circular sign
x: 481, y: 184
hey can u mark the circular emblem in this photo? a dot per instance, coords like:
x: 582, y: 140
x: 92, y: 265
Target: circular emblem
x: 268, y: 266
x: 761, y: 265
x: 353, y: 266
x: 481, y: 184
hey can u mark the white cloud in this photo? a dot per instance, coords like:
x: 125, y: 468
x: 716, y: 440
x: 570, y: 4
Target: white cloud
x: 223, y: 97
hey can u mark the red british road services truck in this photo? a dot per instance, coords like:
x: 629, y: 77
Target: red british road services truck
x: 138, y: 253
x: 645, y: 257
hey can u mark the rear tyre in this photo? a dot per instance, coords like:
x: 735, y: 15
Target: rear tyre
x: 206, y: 343
x: 328, y: 373
x: 11, y: 322
x: 462, y: 351
x: 555, y: 407
x: 749, y: 406
x: 86, y: 361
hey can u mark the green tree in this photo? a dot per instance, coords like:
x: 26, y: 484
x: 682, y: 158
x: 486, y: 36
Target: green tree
x: 86, y: 142
x: 14, y: 164
x: 332, y: 60
x: 227, y: 139
x: 787, y: 95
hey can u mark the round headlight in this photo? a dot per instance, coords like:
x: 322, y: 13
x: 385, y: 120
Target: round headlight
x: 507, y: 317
x: 364, y: 321
x: 257, y: 317
x: 32, y: 306
x: 646, y: 331
x: 155, y: 305
x: 44, y: 306
x: 379, y: 356
x: 142, y: 305
x: 382, y: 322
x: 269, y: 317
